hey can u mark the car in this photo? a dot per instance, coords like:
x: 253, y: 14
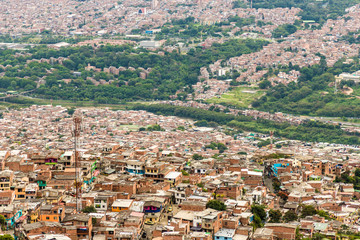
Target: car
x: 149, y: 223
x: 170, y: 209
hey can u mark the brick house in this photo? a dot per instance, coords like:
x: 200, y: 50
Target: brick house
x: 52, y: 213
x: 82, y: 222
x: 282, y: 230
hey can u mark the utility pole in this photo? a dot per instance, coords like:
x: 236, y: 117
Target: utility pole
x: 271, y: 139
x: 77, y: 128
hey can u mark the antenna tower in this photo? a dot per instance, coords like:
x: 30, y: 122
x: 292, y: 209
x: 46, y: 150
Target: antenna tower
x: 77, y: 129
x: 271, y: 139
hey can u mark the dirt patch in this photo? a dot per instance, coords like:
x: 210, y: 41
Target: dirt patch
x: 347, y: 91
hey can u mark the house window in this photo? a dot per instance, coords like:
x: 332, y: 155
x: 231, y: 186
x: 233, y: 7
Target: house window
x: 55, y: 218
x: 47, y: 218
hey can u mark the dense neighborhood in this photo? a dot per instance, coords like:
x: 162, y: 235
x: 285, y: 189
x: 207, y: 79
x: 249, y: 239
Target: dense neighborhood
x: 173, y: 181
x: 179, y: 119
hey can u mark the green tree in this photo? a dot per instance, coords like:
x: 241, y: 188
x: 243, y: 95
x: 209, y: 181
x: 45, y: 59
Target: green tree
x: 216, y: 204
x: 357, y: 172
x: 308, y: 210
x: 71, y: 111
x: 197, y: 157
x: 219, y: 146
x: 155, y: 127
x: 2, y: 220
x: 89, y: 209
x: 257, y: 221
x: 298, y: 235
x: 290, y: 216
x: 259, y: 210
x: 275, y: 216
x: 265, y: 84
x: 201, y: 123
x: 276, y: 184
x: 185, y: 173
x: 181, y: 128
x: 324, y: 214
x: 6, y: 237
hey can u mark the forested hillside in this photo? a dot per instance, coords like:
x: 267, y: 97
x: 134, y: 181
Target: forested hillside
x: 167, y: 71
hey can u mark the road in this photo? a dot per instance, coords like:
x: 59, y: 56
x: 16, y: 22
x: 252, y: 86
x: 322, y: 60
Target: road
x: 268, y: 184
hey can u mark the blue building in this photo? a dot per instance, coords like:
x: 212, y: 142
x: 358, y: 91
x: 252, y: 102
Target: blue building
x: 225, y: 234
x: 153, y: 207
x: 276, y: 166
x: 135, y: 167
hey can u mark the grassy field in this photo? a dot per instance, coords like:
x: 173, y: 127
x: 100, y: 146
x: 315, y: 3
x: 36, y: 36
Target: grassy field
x: 239, y: 97
x: 129, y: 127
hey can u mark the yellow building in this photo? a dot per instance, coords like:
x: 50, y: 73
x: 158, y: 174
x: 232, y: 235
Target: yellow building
x: 152, y: 217
x: 20, y: 191
x: 6, y: 180
x: 121, y: 205
x: 53, y: 196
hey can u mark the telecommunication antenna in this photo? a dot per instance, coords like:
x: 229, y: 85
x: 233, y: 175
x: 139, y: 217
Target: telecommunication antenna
x: 271, y: 139
x: 77, y: 129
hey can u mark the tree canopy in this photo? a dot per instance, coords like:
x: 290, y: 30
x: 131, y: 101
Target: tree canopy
x: 290, y: 216
x: 308, y: 210
x: 275, y: 216
x: 89, y: 209
x: 216, y: 204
